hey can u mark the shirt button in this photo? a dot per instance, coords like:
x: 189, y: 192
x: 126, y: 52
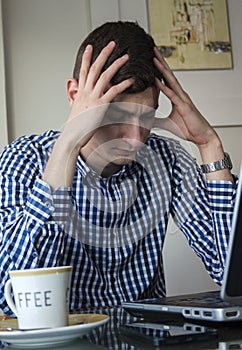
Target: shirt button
x: 49, y: 205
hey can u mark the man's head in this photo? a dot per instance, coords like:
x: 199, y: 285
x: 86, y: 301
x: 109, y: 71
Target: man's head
x: 130, y: 38
x: 125, y: 126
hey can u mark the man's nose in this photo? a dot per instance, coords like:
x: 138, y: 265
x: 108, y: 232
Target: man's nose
x: 133, y: 134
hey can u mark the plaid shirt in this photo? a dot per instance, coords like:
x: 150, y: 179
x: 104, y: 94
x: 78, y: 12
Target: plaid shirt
x: 111, y: 230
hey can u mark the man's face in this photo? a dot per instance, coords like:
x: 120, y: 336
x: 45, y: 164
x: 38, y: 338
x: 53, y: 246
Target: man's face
x: 125, y: 128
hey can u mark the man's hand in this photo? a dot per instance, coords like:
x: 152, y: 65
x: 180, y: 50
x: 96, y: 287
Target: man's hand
x: 89, y: 98
x: 93, y: 88
x: 90, y: 95
x: 186, y: 121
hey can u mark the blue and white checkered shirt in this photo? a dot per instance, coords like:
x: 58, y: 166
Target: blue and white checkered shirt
x: 111, y: 230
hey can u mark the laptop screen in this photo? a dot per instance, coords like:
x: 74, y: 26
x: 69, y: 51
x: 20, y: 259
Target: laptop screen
x: 232, y: 283
x: 235, y: 272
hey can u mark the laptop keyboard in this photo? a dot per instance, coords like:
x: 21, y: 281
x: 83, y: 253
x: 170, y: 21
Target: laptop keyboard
x: 210, y: 300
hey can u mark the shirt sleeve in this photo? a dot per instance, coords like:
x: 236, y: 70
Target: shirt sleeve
x: 203, y: 211
x: 29, y: 235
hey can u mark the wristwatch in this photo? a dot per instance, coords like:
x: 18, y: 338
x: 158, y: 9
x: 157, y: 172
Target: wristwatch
x: 225, y: 163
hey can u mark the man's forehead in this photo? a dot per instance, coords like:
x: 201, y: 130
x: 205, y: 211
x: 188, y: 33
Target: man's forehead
x: 148, y: 97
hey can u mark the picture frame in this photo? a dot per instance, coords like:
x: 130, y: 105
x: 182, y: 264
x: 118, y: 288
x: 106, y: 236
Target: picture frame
x: 191, y: 34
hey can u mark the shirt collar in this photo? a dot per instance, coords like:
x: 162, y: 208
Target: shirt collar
x: 126, y: 170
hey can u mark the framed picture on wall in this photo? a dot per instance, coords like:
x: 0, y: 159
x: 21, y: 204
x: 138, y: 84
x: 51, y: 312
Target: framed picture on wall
x: 191, y: 34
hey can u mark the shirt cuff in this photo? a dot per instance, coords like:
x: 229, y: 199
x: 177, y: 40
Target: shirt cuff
x: 40, y: 203
x: 43, y: 205
x: 222, y: 195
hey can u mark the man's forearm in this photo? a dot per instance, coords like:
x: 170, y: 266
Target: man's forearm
x: 61, y: 165
x: 212, y: 152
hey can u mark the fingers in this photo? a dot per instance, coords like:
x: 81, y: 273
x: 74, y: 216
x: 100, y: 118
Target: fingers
x: 169, y: 78
x: 85, y: 66
x: 160, y: 58
x: 96, y: 82
x: 115, y: 90
x: 97, y: 66
x: 169, y: 93
x: 105, y: 78
x: 89, y: 73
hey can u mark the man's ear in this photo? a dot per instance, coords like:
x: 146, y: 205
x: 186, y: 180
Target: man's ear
x: 72, y: 89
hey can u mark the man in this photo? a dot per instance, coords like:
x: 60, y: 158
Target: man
x: 98, y: 194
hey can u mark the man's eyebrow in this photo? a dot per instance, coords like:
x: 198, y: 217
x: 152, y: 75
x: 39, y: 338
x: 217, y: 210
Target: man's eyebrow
x: 126, y: 111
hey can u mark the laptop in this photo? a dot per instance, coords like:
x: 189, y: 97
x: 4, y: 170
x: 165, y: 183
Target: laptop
x: 216, y: 306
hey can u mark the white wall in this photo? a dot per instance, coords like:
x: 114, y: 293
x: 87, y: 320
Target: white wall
x: 3, y: 114
x: 41, y: 40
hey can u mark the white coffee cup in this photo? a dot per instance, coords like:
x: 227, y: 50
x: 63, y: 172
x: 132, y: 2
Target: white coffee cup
x: 41, y: 296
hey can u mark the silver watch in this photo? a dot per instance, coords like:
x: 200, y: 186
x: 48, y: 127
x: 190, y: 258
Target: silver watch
x: 225, y: 163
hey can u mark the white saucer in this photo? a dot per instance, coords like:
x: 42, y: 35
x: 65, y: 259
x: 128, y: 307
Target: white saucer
x: 79, y: 324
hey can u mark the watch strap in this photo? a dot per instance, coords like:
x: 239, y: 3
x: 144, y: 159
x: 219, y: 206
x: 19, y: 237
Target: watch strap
x: 224, y: 163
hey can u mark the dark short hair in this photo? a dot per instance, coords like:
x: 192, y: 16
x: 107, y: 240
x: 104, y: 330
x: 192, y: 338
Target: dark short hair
x: 130, y: 38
